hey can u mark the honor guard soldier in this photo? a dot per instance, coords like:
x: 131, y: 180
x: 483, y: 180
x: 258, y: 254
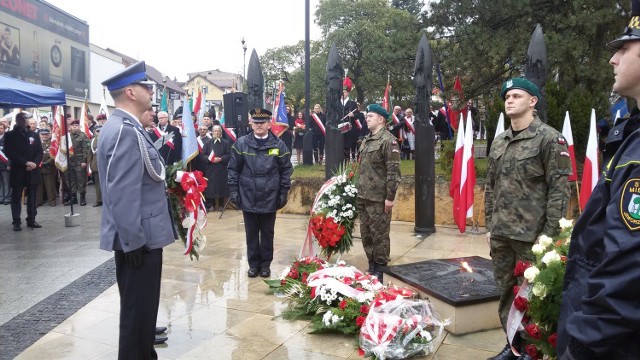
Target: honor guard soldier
x: 379, y: 177
x: 76, y: 174
x: 135, y: 217
x: 599, y: 317
x: 259, y: 181
x: 47, y: 190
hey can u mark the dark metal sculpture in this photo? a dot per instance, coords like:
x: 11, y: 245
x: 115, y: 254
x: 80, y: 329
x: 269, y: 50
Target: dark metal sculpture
x: 333, y: 152
x: 425, y: 143
x: 255, y: 82
x: 537, y: 68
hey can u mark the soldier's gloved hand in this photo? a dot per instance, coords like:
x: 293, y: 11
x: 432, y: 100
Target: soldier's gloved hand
x: 488, y: 238
x: 234, y: 198
x: 135, y: 258
x: 282, y: 201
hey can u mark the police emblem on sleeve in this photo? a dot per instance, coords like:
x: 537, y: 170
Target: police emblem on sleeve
x: 630, y: 204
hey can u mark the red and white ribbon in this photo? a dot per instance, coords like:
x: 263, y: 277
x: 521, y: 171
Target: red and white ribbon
x: 316, y: 118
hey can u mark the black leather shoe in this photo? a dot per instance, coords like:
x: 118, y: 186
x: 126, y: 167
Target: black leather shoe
x: 253, y: 272
x: 99, y: 203
x: 505, y: 354
x: 17, y: 227
x: 160, y: 329
x: 160, y: 340
x: 34, y: 225
x: 265, y: 273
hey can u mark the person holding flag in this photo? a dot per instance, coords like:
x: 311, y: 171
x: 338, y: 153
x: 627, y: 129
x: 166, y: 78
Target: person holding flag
x: 76, y: 174
x: 598, y: 316
x: 527, y: 190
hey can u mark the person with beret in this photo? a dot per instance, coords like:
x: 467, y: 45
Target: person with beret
x: 76, y: 174
x: 259, y: 181
x: 527, y: 190
x: 379, y: 177
x: 136, y: 224
x: 47, y: 189
x: 599, y: 317
x: 24, y: 150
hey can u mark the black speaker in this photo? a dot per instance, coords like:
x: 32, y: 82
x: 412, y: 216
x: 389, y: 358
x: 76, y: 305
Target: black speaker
x: 236, y: 111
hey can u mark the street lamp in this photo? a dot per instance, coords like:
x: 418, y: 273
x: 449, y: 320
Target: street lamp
x: 244, y: 61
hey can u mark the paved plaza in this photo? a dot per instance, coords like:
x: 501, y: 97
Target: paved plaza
x: 58, y: 298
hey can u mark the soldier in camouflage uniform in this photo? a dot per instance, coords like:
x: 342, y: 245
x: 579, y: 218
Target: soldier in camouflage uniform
x: 76, y: 174
x: 47, y: 189
x: 379, y: 176
x: 527, y: 189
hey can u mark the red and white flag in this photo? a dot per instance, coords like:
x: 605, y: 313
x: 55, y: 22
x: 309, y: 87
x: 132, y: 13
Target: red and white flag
x: 318, y: 121
x: 212, y: 156
x: 463, y: 178
x: 590, y: 172
x: 84, y: 119
x: 170, y: 144
x: 200, y: 144
x: 568, y: 136
x: 499, y: 126
x: 159, y: 133
x: 3, y: 157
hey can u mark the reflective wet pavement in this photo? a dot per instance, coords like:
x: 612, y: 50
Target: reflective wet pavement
x: 211, y: 308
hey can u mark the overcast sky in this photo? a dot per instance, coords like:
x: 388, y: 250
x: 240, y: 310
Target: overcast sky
x: 180, y: 37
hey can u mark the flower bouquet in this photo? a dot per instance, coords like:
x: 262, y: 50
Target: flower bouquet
x: 334, y: 212
x: 537, y: 302
x: 187, y: 207
x: 399, y: 329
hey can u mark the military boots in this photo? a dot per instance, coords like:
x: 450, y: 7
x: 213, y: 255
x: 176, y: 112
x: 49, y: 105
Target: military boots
x: 83, y: 200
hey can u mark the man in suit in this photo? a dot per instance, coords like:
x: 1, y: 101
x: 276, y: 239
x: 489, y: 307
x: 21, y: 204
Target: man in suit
x: 24, y: 150
x: 171, y: 151
x: 135, y: 218
x: 349, y: 138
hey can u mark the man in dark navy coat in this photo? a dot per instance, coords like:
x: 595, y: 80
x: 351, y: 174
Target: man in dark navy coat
x: 24, y: 150
x: 259, y: 181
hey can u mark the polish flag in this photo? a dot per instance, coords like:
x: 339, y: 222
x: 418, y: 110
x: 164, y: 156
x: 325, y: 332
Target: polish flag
x: 3, y: 157
x: 159, y: 133
x: 464, y: 175
x: 170, y: 144
x: 568, y: 136
x: 590, y: 172
x: 212, y: 156
x: 454, y: 189
x: 84, y: 119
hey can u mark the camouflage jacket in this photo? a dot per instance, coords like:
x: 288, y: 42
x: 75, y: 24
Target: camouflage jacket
x: 81, y: 148
x: 379, y: 170
x: 48, y: 164
x: 527, y: 189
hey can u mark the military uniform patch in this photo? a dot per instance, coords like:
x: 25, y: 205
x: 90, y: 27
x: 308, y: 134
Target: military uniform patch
x: 561, y: 140
x: 630, y: 204
x: 564, y: 153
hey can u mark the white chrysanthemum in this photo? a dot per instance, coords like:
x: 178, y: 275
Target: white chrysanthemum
x: 564, y: 223
x: 531, y: 273
x: 336, y: 319
x: 426, y: 335
x: 545, y: 241
x: 537, y: 249
x: 539, y: 290
x: 326, y: 318
x: 550, y: 257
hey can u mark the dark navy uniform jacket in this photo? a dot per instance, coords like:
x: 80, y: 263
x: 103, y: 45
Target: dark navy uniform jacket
x: 600, y: 313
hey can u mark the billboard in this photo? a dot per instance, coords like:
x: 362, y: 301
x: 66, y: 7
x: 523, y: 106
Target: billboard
x: 43, y: 45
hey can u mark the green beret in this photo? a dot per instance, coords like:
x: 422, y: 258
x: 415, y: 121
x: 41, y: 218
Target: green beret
x: 378, y: 110
x: 519, y: 83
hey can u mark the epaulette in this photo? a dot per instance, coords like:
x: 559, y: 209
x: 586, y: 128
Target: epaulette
x: 127, y: 122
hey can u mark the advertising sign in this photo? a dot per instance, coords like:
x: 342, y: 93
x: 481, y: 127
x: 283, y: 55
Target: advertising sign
x: 43, y: 45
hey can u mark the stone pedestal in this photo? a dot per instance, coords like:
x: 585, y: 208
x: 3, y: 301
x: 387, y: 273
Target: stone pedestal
x: 468, y: 299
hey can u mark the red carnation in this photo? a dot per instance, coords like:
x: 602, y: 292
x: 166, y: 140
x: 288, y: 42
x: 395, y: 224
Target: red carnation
x: 521, y: 303
x: 531, y: 351
x: 521, y: 266
x: 516, y: 289
x: 360, y: 351
x: 343, y: 304
x: 534, y: 331
x: 360, y: 321
x: 553, y: 339
x: 364, y: 309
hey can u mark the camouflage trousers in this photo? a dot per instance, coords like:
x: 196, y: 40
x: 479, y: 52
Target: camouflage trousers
x: 374, y: 230
x: 505, y: 254
x: 76, y: 179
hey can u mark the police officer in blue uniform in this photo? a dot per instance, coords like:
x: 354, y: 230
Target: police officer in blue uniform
x: 135, y: 216
x: 600, y: 313
x: 259, y: 181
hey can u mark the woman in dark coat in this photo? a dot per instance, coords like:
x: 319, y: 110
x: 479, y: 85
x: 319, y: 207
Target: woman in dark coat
x: 218, y: 153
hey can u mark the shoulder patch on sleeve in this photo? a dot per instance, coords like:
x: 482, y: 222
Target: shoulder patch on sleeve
x: 630, y: 204
x: 561, y: 140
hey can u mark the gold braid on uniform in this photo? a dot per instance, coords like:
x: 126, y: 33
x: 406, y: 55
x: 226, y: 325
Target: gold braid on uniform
x: 147, y: 161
